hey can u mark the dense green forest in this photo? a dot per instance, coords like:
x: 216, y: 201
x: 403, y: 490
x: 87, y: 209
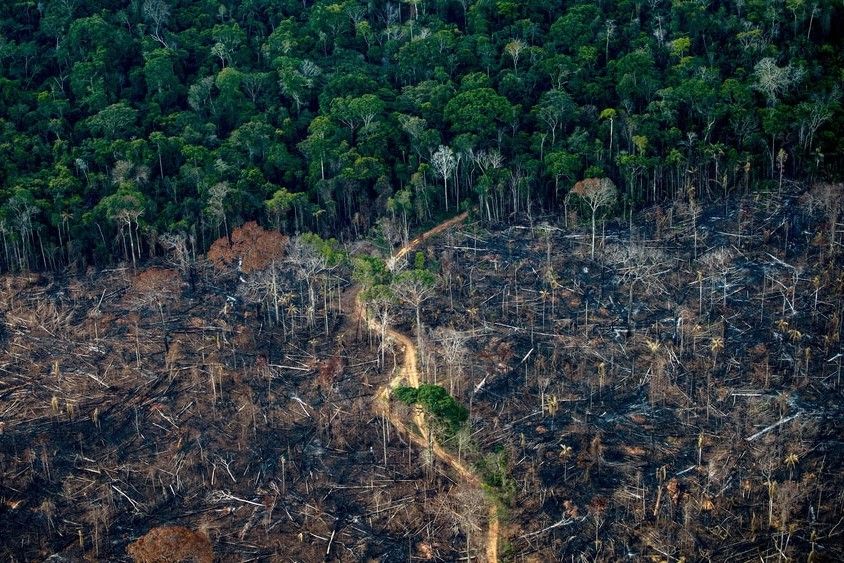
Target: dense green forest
x: 122, y: 122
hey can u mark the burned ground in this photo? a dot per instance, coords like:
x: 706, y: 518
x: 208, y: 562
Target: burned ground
x: 131, y: 403
x: 699, y: 418
x: 678, y: 395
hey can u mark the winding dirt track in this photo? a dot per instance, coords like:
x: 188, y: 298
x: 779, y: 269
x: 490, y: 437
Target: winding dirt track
x: 409, y: 374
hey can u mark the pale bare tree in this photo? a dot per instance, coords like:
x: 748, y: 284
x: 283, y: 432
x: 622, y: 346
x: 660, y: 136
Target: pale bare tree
x: 127, y: 208
x: 157, y: 12
x: 610, y: 31
x: 717, y: 261
x: 177, y: 245
x: 265, y: 286
x: 467, y: 507
x: 444, y: 164
x: 815, y: 114
x: 596, y: 193
x: 309, y: 265
x: 637, y: 265
x: 414, y: 287
x: 381, y: 300
x: 773, y: 80
x: 125, y: 171
x: 831, y: 198
x: 514, y: 50
x: 454, y: 351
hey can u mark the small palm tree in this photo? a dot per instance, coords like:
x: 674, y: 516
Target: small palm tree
x: 791, y: 460
x: 715, y: 345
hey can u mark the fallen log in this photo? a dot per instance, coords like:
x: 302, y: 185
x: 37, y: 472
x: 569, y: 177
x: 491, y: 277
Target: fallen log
x: 771, y: 427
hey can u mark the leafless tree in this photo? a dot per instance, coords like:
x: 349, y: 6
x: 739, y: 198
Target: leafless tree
x: 309, y: 265
x: 467, y: 507
x: 157, y: 12
x: 610, y: 31
x: 772, y: 80
x: 126, y: 214
x: 596, y: 193
x: 414, y: 288
x: 444, y: 163
x: 831, y: 198
x: 392, y: 230
x: 514, y: 49
x: 636, y: 265
x: 381, y: 303
x: 177, y: 245
x: 817, y: 112
x: 453, y: 343
x: 718, y: 261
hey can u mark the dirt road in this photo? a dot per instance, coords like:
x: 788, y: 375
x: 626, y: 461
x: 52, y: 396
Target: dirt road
x: 409, y: 375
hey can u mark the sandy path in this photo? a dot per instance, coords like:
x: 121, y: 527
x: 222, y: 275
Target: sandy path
x: 409, y: 375
x: 411, y: 246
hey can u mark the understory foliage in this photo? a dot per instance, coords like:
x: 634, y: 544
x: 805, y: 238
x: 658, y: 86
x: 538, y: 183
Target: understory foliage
x: 435, y: 400
x: 125, y: 122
